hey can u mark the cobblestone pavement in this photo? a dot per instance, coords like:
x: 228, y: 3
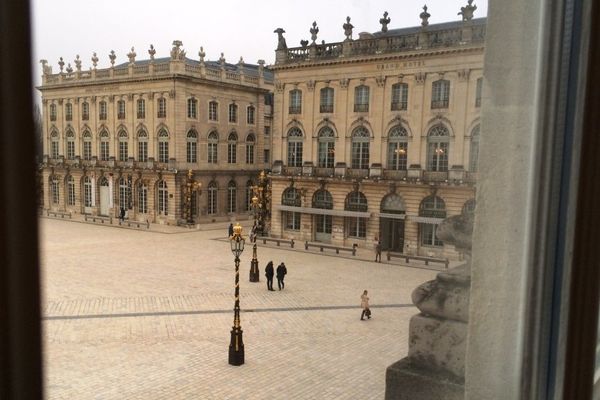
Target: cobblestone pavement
x: 131, y: 314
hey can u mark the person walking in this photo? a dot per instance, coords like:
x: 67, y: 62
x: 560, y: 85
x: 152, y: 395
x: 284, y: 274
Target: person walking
x: 122, y: 214
x: 231, y: 230
x: 364, y: 303
x: 378, y: 251
x: 269, y: 272
x: 281, y: 272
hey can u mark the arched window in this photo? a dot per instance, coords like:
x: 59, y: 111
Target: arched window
x: 468, y: 207
x: 192, y: 146
x: 326, y: 105
x: 233, y: 110
x: 326, y: 148
x: 360, y: 148
x: 212, y: 198
x: 399, y: 96
x: 70, y: 190
x: 192, y: 108
x: 54, y: 188
x: 87, y: 191
x: 54, y: 144
x: 440, y: 94
x: 323, y: 199
x: 361, y: 98
x: 295, y: 102
x: 68, y: 112
x: 163, y: 198
x: 356, y: 226
x: 250, y: 149
x: 231, y: 197
x: 52, y: 109
x: 291, y: 219
x: 397, y: 148
x: 70, y: 144
x: 213, y: 140
x: 85, y: 111
x: 250, y: 115
x: 125, y: 193
x: 123, y: 146
x: 142, y: 198
x: 87, y: 145
x: 438, y: 146
x: 163, y: 146
x: 295, y: 147
x: 232, y: 148
x: 249, y: 195
x: 104, y: 145
x: 474, y: 151
x: 142, y: 145
x: 213, y: 111
x: 102, y: 111
x: 161, y: 106
x: 141, y: 108
x: 431, y: 207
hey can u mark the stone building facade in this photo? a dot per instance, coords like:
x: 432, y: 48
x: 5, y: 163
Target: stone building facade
x: 377, y: 136
x: 126, y: 136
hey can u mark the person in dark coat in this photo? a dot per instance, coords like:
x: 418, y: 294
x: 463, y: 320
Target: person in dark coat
x: 122, y: 214
x: 378, y: 251
x: 230, y: 230
x: 281, y: 271
x: 269, y: 272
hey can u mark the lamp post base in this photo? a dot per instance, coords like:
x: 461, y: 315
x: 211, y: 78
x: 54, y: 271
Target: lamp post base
x: 254, y: 273
x: 236, y: 348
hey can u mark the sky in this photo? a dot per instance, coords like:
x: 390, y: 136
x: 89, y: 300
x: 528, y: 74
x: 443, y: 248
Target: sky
x: 65, y: 28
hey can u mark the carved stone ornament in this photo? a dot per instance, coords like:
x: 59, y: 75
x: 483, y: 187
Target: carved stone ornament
x: 281, y: 45
x: 310, y: 85
x: 420, y: 78
x: 93, y: 99
x: 313, y: 32
x: 45, y: 69
x: 95, y: 60
x: 201, y: 54
x: 130, y: 96
x: 240, y: 64
x: 344, y: 83
x: 69, y: 68
x: 279, y: 86
x: 304, y: 43
x: 424, y: 16
x: 61, y: 64
x: 380, y: 81
x: 112, y: 57
x: 467, y: 11
x: 77, y: 63
x: 384, y: 22
x: 151, y: 96
x: 177, y: 54
x: 172, y: 94
x: 348, y: 29
x: 60, y: 102
x: 44, y: 101
x: 152, y: 52
x: 131, y: 55
x: 222, y: 60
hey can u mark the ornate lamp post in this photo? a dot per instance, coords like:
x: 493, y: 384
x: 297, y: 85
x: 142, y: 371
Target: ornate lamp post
x: 190, y: 186
x: 254, y: 273
x: 236, y: 346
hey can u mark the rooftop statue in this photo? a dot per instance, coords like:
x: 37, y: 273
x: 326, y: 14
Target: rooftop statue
x: 77, y: 63
x: 176, y: 52
x: 112, y: 57
x: 61, y: 64
x: 152, y: 52
x: 131, y: 55
x: 424, y: 16
x: 304, y: 43
x: 280, y: 39
x: 95, y: 60
x: 201, y: 54
x: 467, y: 11
x: 348, y: 29
x: 313, y: 32
x: 384, y: 22
x: 46, y: 70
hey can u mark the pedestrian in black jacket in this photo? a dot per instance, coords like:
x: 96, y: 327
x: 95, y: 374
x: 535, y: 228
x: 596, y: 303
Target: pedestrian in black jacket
x: 269, y: 272
x: 281, y: 271
x: 230, y: 230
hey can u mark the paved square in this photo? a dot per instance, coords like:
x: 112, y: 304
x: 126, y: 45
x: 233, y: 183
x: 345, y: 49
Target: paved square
x: 147, y: 315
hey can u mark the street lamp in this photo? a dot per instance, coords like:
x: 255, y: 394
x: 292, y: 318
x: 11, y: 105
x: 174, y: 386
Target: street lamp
x: 236, y: 346
x: 254, y: 274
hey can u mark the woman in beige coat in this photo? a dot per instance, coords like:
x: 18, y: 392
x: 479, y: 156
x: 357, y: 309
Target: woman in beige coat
x: 364, y: 303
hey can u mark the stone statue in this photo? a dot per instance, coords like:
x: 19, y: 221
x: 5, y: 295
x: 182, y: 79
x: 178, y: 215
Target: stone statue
x: 467, y: 11
x: 95, y: 60
x: 313, y: 32
x: 201, y: 54
x: 46, y: 70
x: 241, y: 63
x: 77, y: 63
x: 280, y: 39
x: 424, y: 16
x: 222, y: 60
x: 131, y: 55
x: 176, y: 52
x: 152, y: 52
x: 384, y: 22
x: 112, y: 57
x: 61, y: 64
x: 304, y: 43
x: 348, y: 29
x: 69, y: 68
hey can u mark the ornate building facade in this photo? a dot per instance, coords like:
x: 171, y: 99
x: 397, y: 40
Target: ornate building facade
x: 127, y: 136
x: 376, y: 137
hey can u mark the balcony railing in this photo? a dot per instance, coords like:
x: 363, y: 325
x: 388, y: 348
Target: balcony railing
x: 361, y: 107
x: 326, y: 108
x: 141, y: 115
x: 394, y: 174
x: 121, y: 115
x: 324, y: 172
x: 399, y: 105
x: 357, y: 173
x: 439, y: 104
x: 292, y: 170
x: 435, y: 176
x: 102, y: 116
x: 295, y: 110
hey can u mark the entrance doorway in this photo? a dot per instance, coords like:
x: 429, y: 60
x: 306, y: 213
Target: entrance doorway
x: 321, y: 222
x: 104, y: 196
x: 391, y: 227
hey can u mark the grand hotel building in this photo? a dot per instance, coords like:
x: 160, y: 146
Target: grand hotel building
x: 126, y: 136
x: 377, y: 136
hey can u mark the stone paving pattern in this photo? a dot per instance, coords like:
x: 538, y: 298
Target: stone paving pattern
x: 132, y: 314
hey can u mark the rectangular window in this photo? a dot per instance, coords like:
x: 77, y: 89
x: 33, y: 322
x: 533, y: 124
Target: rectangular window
x: 326, y: 154
x: 399, y: 96
x: 267, y: 130
x: 212, y: 153
x: 87, y: 150
x: 162, y: 108
x: 55, y: 193
x: 267, y: 155
x: 295, y: 102
x: 102, y: 111
x: 87, y: 194
x: 232, y: 113
x: 292, y: 220
x: 123, y: 151
x: 438, y: 156
x: 212, y: 201
x: 294, y: 154
x: 356, y: 227
x: 231, y: 200
x: 163, y: 152
x: 428, y: 235
x: 249, y: 154
x: 141, y: 108
x: 360, y: 155
x: 85, y: 112
x: 397, y: 155
x: 232, y: 153
x: 440, y: 96
x: 143, y: 151
x: 121, y: 109
x: 54, y: 149
x: 191, y: 152
x: 69, y: 112
x: 104, y: 152
x: 52, y: 112
x: 70, y: 149
x: 361, y: 99
x: 163, y: 201
x: 213, y: 108
x: 326, y: 100
x: 250, y: 115
x: 192, y: 111
x: 71, y: 198
x: 143, y: 200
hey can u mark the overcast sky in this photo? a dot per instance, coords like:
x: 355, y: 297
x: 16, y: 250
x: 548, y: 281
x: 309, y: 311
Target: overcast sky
x: 237, y: 28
